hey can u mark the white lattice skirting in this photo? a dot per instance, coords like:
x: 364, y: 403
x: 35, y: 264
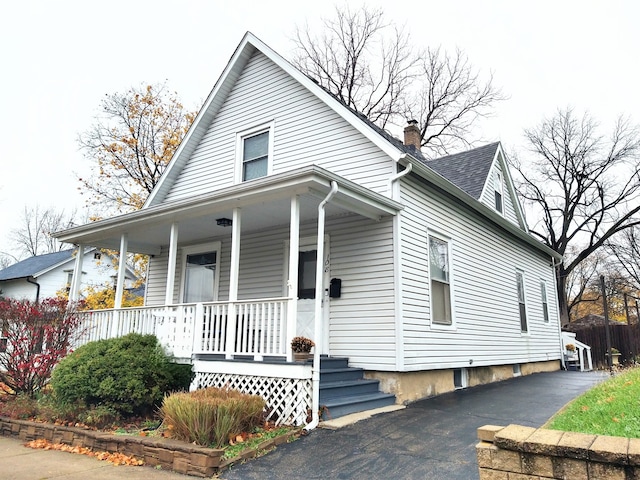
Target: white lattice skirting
x: 288, y: 399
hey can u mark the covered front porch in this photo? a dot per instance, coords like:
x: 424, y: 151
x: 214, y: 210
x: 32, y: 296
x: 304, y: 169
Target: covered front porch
x: 234, y: 275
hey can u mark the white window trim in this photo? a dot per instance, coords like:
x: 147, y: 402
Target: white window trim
x: 240, y: 136
x: 499, y: 188
x: 200, y: 248
x: 526, y: 303
x: 545, y: 301
x: 433, y: 325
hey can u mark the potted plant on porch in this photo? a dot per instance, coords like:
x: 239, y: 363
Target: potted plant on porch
x: 301, y: 347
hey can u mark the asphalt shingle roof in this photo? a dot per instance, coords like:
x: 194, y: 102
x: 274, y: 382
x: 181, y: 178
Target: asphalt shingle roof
x: 467, y: 170
x: 32, y: 266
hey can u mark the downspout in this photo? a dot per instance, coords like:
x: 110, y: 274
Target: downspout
x: 555, y: 289
x: 399, y: 175
x: 32, y: 281
x: 315, y: 399
x: 397, y: 269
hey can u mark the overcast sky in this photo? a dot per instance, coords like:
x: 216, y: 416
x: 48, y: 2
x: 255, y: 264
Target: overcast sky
x: 60, y: 58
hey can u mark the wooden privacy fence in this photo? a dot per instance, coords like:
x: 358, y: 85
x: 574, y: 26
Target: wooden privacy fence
x: 626, y: 338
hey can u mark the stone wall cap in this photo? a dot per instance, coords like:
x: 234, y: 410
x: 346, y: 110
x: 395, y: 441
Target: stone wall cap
x: 513, y: 436
x: 543, y: 441
x: 486, y: 433
x: 610, y: 450
x: 575, y: 445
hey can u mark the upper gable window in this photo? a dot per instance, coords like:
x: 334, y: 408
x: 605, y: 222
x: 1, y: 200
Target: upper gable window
x: 498, y: 192
x: 254, y: 152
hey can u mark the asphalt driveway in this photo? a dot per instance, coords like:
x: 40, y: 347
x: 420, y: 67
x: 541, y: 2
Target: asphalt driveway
x: 430, y: 439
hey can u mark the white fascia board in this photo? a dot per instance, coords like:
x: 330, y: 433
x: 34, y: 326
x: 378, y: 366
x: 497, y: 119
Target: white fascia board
x: 506, y: 171
x: 284, y: 184
x: 236, y: 64
x: 59, y: 264
x: 325, y: 97
x: 480, y: 208
x: 208, y: 111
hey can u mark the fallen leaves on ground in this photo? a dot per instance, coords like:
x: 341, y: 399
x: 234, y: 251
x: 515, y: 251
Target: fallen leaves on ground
x: 114, y: 458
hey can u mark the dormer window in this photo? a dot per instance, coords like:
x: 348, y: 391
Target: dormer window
x: 254, y: 153
x: 498, y: 192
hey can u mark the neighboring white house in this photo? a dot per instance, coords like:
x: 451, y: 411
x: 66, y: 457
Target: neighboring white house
x: 284, y: 213
x: 43, y: 276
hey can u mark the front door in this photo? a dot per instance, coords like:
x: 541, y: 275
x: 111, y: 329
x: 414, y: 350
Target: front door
x: 307, y: 267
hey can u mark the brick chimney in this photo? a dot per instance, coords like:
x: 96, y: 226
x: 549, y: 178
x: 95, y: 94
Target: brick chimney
x: 412, y: 134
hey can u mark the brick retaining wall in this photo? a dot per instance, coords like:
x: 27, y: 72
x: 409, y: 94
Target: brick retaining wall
x: 524, y: 453
x: 169, y: 454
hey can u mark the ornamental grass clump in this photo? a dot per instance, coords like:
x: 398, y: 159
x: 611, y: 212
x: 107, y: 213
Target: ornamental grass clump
x: 211, y: 416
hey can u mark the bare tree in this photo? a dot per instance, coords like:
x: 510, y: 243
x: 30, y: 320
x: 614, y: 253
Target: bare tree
x: 33, y: 237
x: 131, y: 144
x: 355, y: 61
x: 372, y: 66
x: 583, y: 187
x: 626, y: 248
x: 451, y: 97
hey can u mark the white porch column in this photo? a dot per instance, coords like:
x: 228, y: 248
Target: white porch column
x: 233, y: 282
x: 122, y: 268
x: 76, y: 280
x: 292, y: 282
x: 171, y: 267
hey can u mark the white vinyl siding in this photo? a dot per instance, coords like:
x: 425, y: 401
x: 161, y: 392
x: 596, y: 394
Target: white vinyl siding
x: 305, y: 131
x: 362, y: 325
x: 487, y: 325
x: 497, y: 182
x: 95, y: 273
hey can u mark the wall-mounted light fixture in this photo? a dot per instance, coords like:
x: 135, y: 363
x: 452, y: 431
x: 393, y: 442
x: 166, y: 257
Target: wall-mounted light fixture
x: 224, y: 222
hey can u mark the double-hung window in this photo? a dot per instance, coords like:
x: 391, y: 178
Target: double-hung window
x: 440, y: 277
x: 254, y: 152
x: 545, y: 302
x: 522, y: 305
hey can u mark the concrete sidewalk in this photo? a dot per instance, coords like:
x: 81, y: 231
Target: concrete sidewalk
x: 18, y: 462
x: 431, y: 439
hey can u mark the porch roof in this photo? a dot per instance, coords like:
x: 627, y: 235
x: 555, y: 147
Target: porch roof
x: 267, y: 201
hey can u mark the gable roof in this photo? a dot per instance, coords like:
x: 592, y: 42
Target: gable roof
x: 245, y: 50
x: 36, y: 266
x: 468, y: 179
x: 467, y: 170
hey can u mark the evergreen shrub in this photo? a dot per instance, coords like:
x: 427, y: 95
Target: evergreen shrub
x: 128, y: 376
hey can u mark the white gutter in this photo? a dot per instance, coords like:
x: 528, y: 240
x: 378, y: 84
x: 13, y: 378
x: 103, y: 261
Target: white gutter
x: 394, y: 193
x: 399, y: 175
x: 315, y: 402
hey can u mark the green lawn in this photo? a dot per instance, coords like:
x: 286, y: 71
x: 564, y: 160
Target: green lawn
x: 611, y: 408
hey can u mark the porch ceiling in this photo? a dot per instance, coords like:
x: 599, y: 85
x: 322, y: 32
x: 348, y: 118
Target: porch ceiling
x: 265, y: 203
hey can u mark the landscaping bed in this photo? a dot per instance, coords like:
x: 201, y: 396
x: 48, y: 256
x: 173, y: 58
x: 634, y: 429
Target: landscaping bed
x: 154, y: 451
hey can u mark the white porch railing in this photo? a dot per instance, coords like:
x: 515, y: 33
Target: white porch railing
x: 256, y: 328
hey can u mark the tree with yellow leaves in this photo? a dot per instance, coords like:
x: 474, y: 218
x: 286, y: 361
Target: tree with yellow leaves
x: 131, y: 143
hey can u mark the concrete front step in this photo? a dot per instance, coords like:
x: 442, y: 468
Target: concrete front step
x: 343, y: 389
x: 347, y: 388
x: 333, y: 362
x: 340, y: 406
x: 330, y: 375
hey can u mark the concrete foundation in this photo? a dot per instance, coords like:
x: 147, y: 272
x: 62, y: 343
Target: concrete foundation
x: 411, y: 386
